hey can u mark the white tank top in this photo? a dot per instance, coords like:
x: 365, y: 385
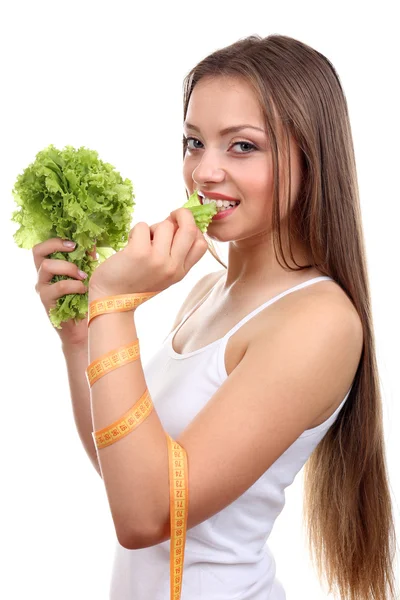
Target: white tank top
x: 227, y: 556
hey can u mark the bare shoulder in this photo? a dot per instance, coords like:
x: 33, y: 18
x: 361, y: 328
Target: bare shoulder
x: 199, y: 290
x: 319, y: 330
x: 330, y: 305
x: 335, y: 305
x: 327, y: 299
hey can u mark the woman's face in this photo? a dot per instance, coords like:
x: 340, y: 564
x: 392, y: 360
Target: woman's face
x: 235, y: 163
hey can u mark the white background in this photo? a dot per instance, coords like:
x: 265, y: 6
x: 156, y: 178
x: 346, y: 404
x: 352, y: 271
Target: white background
x: 108, y: 75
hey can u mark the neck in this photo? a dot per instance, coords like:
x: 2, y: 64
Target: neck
x: 253, y: 262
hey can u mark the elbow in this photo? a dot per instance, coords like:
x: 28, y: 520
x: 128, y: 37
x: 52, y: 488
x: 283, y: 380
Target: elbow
x: 134, y: 540
x: 142, y: 532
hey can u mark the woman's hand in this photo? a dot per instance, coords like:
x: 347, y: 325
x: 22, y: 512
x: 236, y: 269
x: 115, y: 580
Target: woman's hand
x: 154, y: 258
x: 71, y: 333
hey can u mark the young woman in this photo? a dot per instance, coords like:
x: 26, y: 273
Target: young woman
x: 270, y: 364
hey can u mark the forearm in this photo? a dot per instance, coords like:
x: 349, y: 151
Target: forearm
x: 77, y: 360
x: 135, y: 468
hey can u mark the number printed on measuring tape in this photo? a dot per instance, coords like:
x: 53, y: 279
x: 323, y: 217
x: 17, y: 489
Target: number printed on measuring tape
x: 119, y: 303
x: 132, y: 419
x: 112, y: 360
x: 177, y: 457
x: 179, y: 502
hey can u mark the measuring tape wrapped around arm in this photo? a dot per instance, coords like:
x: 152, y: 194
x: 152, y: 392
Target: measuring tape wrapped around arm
x: 177, y: 457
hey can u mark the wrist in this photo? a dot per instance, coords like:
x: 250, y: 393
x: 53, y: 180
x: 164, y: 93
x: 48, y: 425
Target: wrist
x: 70, y: 348
x: 95, y: 293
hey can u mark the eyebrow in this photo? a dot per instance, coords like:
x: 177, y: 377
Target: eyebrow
x: 227, y: 130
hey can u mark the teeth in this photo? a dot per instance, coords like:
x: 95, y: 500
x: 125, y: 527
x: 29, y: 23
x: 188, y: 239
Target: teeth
x: 220, y: 203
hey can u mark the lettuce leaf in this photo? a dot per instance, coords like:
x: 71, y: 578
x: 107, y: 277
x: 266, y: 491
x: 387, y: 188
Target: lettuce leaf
x: 74, y: 195
x: 202, y: 214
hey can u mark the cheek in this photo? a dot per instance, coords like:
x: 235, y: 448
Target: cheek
x: 260, y: 184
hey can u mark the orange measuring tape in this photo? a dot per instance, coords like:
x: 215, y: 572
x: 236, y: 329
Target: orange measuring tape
x: 177, y: 457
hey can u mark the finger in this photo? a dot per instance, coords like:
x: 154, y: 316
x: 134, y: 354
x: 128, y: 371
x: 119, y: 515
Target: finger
x: 185, y: 213
x: 198, y: 249
x: 184, y: 217
x: 53, y: 266
x: 139, y: 238
x: 163, y: 237
x: 185, y: 237
x: 40, y: 251
x: 153, y: 229
x: 130, y: 235
x: 49, y: 294
x: 93, y: 252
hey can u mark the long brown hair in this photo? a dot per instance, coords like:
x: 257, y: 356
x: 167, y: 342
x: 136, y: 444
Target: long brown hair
x: 347, y: 504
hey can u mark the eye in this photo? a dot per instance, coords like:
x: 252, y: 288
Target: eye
x: 187, y: 140
x: 248, y: 144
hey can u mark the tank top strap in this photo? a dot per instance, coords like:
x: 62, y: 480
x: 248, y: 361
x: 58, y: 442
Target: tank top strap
x: 271, y: 301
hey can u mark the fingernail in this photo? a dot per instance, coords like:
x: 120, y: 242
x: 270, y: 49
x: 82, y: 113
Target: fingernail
x: 82, y: 274
x: 69, y: 244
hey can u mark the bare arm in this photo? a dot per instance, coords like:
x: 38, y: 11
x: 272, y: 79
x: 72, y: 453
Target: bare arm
x: 76, y: 357
x: 73, y: 335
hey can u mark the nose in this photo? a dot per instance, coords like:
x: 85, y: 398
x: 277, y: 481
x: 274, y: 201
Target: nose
x: 207, y: 171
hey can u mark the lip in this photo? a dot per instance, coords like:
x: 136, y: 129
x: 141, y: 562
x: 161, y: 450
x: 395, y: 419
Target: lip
x: 224, y: 213
x: 216, y: 196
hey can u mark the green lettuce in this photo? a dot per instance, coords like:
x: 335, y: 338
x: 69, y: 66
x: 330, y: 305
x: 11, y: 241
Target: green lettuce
x: 74, y: 195
x: 202, y: 213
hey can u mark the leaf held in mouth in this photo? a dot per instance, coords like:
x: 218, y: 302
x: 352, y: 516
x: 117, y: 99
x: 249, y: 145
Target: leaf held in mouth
x: 202, y: 213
